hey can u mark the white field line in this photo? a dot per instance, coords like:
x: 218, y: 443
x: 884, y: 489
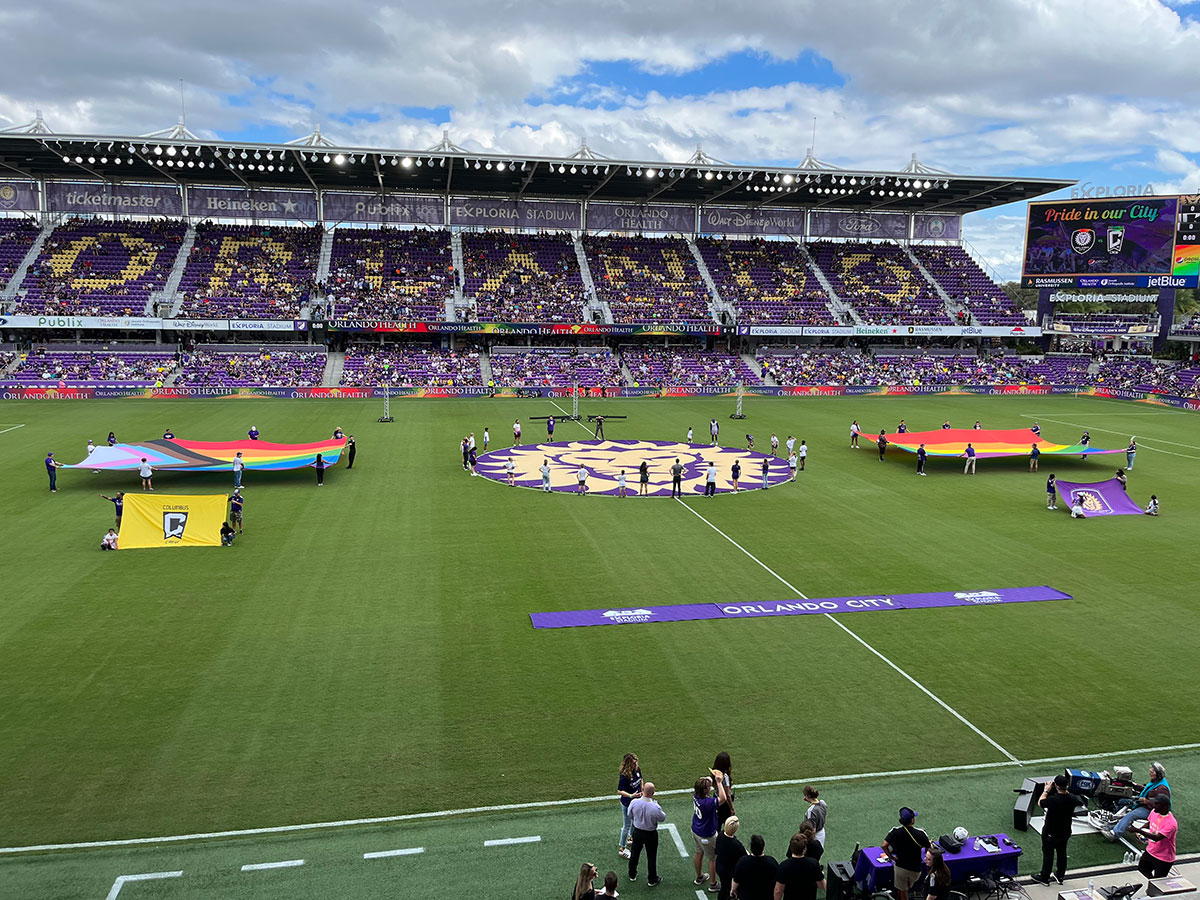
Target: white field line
x: 282, y: 864
x: 6, y: 428
x: 122, y: 880
x: 1110, y: 431
x: 383, y: 854
x: 504, y: 842
x: 930, y: 694
x: 576, y: 801
x: 579, y: 423
x: 670, y: 828
x: 700, y: 894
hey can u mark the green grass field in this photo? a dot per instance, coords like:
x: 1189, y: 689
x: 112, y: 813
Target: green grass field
x: 366, y: 650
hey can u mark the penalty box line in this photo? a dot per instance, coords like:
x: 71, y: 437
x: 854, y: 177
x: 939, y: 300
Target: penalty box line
x: 930, y: 694
x: 576, y: 801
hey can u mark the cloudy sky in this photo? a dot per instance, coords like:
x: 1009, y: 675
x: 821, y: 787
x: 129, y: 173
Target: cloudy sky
x: 1100, y: 91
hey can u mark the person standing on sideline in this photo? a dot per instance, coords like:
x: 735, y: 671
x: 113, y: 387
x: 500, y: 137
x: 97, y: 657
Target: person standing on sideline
x: 969, y: 456
x: 584, y: 889
x: 792, y: 461
x: 644, y: 479
x: 1051, y: 492
x: 544, y: 468
x: 722, y: 771
x: 904, y: 846
x: 470, y: 442
x: 1084, y: 441
x: 922, y: 454
x: 486, y: 440
x: 235, y: 509
x: 1059, y: 804
x: 735, y: 473
x: 510, y: 472
x: 109, y: 541
x: 52, y: 468
x: 800, y: 877
x: 146, y: 471
x: 881, y: 443
x: 582, y: 475
x: 646, y: 814
x: 714, y: 429
x: 319, y: 465
x: 774, y: 444
x: 729, y: 851
x: 766, y: 474
x: 472, y: 461
x: 550, y: 428
x: 119, y: 502
x: 1160, y: 836
x: 629, y: 788
x: 516, y: 432
x: 817, y: 811
x: 705, y: 828
x: 599, y: 435
x: 689, y: 437
x: 1034, y: 456
x: 710, y: 480
x: 465, y: 447
x: 676, y: 479
x: 1123, y: 480
x: 754, y: 875
x: 790, y: 443
x: 1152, y: 509
x: 1130, y: 453
x: 855, y: 431
x: 91, y: 448
x: 352, y: 451
x: 112, y: 439
x: 802, y: 453
x: 239, y: 466
x: 253, y: 433
x: 621, y: 484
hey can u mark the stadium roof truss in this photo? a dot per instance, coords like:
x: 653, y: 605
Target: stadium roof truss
x: 177, y: 156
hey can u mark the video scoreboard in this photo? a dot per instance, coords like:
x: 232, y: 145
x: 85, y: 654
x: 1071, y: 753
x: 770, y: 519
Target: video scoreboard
x: 1131, y: 242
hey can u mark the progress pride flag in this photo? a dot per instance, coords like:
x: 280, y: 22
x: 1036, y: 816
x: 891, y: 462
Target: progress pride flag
x: 799, y: 607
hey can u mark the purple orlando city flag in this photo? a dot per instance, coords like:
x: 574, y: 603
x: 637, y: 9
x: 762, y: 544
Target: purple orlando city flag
x: 1099, y: 498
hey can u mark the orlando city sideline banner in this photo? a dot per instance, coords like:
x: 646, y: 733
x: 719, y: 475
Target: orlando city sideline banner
x: 172, y: 520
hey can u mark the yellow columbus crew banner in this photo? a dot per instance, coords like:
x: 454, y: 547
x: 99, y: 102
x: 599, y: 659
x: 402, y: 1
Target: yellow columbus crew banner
x: 172, y: 520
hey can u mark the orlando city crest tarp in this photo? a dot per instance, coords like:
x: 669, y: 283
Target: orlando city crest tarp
x: 172, y: 520
x: 1098, y: 498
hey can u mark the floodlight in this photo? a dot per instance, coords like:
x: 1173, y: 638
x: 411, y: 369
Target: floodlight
x: 500, y: 167
x: 406, y: 162
x: 170, y: 151
x: 339, y: 159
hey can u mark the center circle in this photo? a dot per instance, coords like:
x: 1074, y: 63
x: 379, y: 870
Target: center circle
x: 604, y: 461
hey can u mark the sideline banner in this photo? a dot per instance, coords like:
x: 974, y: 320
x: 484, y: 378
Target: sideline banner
x: 798, y: 607
x: 172, y: 520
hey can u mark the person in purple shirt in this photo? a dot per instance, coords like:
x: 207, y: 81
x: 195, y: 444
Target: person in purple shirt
x: 168, y: 435
x: 629, y: 788
x: 119, y: 502
x: 52, y: 468
x: 704, y: 827
x: 550, y: 428
x: 112, y: 439
x: 969, y: 456
x: 235, y: 508
x: 472, y: 460
x: 253, y: 433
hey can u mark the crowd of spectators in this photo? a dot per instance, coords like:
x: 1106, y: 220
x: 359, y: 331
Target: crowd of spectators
x: 768, y: 281
x: 648, y: 279
x: 516, y: 277
x: 86, y: 364
x: 267, y: 367
x: 880, y: 282
x: 16, y: 237
x: 249, y: 271
x: 383, y: 273
x: 530, y: 368
x: 410, y: 366
x: 686, y: 368
x: 91, y: 267
x: 962, y: 278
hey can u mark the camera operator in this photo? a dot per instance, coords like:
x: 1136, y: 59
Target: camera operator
x: 1060, y: 805
x: 1139, y: 808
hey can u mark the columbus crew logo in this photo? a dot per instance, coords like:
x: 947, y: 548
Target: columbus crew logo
x: 174, y: 524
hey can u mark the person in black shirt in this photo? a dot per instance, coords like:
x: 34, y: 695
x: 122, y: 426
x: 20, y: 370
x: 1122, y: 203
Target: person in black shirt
x: 921, y: 454
x: 903, y: 846
x: 798, y: 877
x: 754, y: 875
x: 352, y: 450
x: 815, y: 848
x: 1060, y: 805
x: 729, y: 850
x: 882, y: 445
x: 939, y: 875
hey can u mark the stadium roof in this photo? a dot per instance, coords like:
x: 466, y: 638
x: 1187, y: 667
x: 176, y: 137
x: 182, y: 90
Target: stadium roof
x: 176, y: 155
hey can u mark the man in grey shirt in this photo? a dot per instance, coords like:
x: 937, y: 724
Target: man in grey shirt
x: 646, y: 814
x: 677, y: 479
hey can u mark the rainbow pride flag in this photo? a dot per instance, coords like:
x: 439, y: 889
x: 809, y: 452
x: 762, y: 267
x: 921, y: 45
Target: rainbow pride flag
x: 211, y: 456
x: 987, y: 444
